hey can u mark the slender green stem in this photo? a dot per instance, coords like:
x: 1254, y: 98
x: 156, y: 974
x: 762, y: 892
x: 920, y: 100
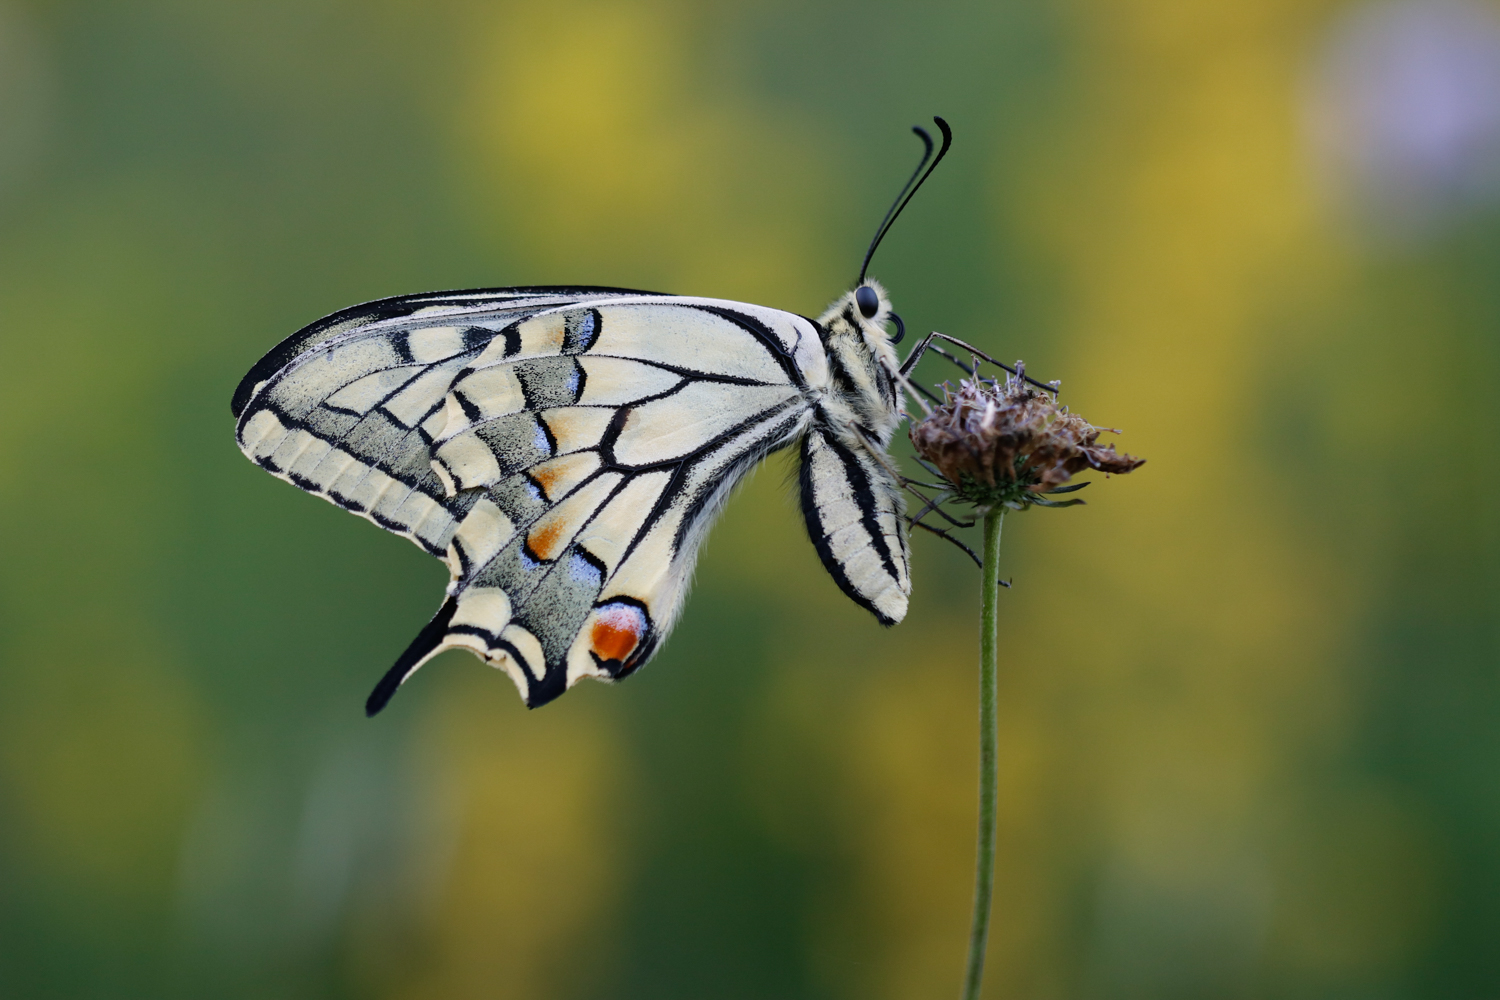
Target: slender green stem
x: 989, y: 740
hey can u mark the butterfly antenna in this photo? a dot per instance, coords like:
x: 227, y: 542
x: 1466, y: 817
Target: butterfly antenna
x: 916, y: 181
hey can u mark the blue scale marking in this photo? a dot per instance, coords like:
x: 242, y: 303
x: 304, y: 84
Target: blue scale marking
x: 584, y: 571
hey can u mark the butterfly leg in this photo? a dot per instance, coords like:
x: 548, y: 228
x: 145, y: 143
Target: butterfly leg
x: 917, y: 391
x: 928, y: 466
x: 944, y: 534
x: 970, y: 370
x: 941, y: 533
x: 933, y: 506
x: 916, y: 353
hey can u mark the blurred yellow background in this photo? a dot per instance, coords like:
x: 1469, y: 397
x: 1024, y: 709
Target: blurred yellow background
x: 1250, y: 694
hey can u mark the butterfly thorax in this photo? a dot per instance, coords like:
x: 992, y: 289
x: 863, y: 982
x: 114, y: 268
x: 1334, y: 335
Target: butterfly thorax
x: 863, y: 395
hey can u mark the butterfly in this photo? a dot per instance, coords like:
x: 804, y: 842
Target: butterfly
x: 564, y: 451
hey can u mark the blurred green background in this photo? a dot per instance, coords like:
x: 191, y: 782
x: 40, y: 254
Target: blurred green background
x: 1249, y: 695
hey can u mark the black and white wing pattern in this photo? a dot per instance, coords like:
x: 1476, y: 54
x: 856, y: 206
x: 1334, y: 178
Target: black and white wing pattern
x: 564, y: 451
x: 854, y: 518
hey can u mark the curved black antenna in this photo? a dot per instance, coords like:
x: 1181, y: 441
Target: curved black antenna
x: 909, y: 189
x: 896, y: 205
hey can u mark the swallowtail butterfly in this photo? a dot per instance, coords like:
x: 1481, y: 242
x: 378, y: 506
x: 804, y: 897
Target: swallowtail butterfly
x: 565, y: 449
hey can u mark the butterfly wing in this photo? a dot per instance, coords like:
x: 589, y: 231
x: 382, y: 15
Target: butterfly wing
x: 564, y: 451
x: 852, y: 504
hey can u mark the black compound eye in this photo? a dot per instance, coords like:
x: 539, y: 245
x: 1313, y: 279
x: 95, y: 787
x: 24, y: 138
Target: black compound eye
x: 867, y: 300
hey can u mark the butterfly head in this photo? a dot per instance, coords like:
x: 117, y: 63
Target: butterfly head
x: 866, y: 313
x: 870, y: 299
x: 871, y: 312
x: 860, y: 344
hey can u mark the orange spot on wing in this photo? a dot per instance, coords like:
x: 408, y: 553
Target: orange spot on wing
x: 546, y: 477
x: 543, y: 541
x: 617, y: 631
x: 612, y: 642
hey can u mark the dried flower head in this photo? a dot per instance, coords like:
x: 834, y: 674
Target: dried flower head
x: 1009, y: 443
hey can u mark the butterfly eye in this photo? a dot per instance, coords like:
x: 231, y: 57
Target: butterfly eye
x: 867, y: 300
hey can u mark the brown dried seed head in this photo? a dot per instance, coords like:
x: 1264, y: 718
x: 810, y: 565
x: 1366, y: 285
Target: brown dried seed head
x: 1010, y: 438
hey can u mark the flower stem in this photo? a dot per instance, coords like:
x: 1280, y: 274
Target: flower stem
x: 989, y: 740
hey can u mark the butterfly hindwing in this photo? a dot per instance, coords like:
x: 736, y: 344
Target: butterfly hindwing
x: 563, y: 450
x: 590, y: 584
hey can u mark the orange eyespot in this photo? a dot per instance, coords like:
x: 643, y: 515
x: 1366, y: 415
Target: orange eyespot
x: 618, y: 631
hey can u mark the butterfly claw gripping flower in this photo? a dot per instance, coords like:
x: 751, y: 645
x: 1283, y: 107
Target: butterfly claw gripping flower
x: 1009, y: 444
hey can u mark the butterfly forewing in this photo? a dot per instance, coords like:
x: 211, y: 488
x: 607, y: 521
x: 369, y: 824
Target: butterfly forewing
x: 563, y: 450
